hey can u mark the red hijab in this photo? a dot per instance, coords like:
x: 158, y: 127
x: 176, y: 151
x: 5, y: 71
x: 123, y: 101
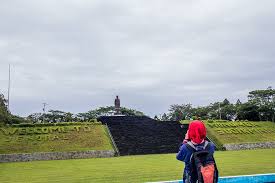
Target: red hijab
x: 197, y: 131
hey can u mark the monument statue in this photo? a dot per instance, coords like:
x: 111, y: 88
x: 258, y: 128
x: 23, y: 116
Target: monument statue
x: 117, y: 106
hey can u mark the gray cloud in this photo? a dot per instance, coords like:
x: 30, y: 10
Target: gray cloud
x: 77, y: 55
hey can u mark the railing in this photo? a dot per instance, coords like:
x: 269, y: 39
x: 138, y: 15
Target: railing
x: 112, y: 139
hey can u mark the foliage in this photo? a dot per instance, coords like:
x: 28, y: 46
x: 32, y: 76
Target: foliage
x: 108, y: 110
x: 52, y: 116
x: 57, y: 116
x: 179, y: 112
x: 164, y: 117
x: 265, y: 102
x: 4, y: 113
x: 259, y: 107
x: 134, y: 169
x: 248, y: 111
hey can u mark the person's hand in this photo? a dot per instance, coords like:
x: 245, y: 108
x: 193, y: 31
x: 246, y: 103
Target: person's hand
x: 186, y: 135
x: 186, y: 138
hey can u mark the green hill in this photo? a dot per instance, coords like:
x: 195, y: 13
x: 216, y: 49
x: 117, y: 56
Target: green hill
x: 55, y: 138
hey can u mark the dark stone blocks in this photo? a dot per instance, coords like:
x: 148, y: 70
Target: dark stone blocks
x: 142, y: 135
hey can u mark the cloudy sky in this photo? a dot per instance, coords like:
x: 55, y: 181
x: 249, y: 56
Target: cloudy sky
x: 77, y: 55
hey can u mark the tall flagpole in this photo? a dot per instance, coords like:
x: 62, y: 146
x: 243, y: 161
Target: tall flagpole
x: 9, y: 87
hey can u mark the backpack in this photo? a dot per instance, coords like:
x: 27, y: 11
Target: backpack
x: 203, y: 167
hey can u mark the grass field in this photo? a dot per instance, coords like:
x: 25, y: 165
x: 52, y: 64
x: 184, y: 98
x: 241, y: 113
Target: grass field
x: 132, y: 169
x: 53, y: 139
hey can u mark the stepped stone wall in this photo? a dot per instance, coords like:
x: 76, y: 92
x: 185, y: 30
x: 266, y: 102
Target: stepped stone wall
x: 143, y: 135
x: 55, y: 155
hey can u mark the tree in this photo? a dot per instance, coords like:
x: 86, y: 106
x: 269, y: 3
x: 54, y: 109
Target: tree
x: 228, y: 112
x: 164, y: 117
x: 178, y: 112
x: 156, y: 118
x: 264, y: 100
x: 35, y: 117
x: 105, y: 111
x: 68, y: 117
x: 213, y: 110
x: 130, y: 112
x: 4, y: 112
x: 55, y: 116
x: 248, y: 111
x: 225, y: 102
x: 201, y: 112
x: 238, y: 102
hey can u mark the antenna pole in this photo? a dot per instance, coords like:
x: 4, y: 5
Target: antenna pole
x: 9, y: 87
x: 44, y: 109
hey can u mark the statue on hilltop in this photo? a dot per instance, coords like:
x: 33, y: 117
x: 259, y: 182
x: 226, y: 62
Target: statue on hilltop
x: 117, y: 106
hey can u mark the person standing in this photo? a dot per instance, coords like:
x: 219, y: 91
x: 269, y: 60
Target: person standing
x: 194, y: 144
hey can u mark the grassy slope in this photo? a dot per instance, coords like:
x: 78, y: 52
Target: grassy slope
x: 96, y: 139
x: 239, y: 138
x: 132, y: 168
x: 245, y: 138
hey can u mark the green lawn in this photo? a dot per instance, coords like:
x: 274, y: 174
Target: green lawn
x: 53, y: 139
x: 132, y: 169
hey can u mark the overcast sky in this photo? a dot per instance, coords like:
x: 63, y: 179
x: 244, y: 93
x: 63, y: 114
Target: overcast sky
x: 78, y: 55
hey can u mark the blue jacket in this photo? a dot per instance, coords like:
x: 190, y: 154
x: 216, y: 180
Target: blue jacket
x: 184, y: 154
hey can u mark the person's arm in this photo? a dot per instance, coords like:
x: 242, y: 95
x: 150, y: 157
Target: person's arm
x: 182, y: 152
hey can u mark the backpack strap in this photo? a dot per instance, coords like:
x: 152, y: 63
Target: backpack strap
x: 191, y: 146
x: 206, y: 145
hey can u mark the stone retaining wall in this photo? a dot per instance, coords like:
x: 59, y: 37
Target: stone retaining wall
x: 136, y: 135
x: 56, y: 155
x: 259, y: 145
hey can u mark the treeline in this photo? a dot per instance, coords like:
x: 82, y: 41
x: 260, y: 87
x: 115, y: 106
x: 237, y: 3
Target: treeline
x: 55, y: 116
x: 259, y: 107
x: 90, y: 116
x: 5, y: 116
